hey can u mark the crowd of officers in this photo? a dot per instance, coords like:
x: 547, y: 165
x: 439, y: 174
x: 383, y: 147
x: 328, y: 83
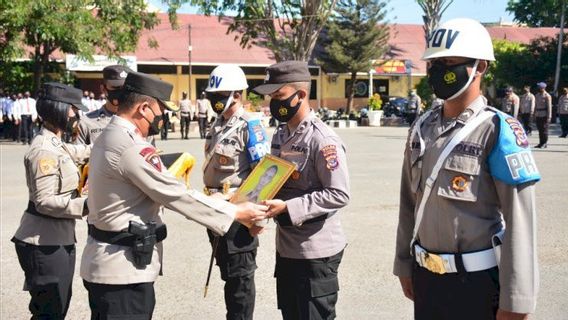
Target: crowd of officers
x: 466, y: 238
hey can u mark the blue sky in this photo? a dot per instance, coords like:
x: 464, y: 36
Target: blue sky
x: 407, y: 11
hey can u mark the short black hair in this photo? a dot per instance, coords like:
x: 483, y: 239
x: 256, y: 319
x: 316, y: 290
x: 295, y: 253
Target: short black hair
x: 55, y: 113
x: 129, y: 99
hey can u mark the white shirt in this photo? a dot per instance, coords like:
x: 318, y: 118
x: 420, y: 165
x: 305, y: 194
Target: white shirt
x: 23, y: 107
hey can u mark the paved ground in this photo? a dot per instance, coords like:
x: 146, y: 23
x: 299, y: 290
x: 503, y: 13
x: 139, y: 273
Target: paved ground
x: 368, y: 288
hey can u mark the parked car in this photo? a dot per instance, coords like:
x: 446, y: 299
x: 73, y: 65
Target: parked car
x: 395, y: 106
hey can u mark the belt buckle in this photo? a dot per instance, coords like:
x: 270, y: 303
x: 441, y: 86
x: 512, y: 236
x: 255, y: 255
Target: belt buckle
x: 434, y: 263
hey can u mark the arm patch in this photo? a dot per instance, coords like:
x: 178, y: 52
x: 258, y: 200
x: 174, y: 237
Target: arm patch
x: 511, y: 160
x: 257, y: 144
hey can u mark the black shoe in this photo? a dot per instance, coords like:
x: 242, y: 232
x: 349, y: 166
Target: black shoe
x: 538, y: 146
x: 562, y: 136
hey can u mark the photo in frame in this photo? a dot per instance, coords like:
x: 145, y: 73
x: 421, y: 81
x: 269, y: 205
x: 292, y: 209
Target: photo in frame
x: 265, y: 180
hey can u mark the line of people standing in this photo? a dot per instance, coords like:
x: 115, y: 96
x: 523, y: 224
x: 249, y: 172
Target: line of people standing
x: 19, y: 117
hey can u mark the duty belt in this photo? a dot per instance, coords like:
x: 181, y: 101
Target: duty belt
x: 31, y: 209
x: 123, y: 238
x: 285, y: 221
x: 448, y: 263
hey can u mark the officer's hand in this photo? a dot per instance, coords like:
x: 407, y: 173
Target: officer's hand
x: 255, y: 230
x: 275, y: 207
x: 506, y: 315
x: 248, y: 213
x: 406, y: 284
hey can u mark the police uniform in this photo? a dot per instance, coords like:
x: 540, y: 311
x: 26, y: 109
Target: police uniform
x: 45, y: 239
x: 129, y: 185
x: 234, y: 145
x: 309, y: 236
x: 563, y: 113
x: 543, y: 113
x: 485, y: 186
x: 414, y: 105
x: 526, y: 111
x: 511, y: 104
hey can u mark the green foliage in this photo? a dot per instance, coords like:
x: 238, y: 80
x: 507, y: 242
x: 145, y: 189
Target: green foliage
x: 356, y: 35
x: 81, y: 27
x: 424, y: 91
x: 375, y: 102
x: 537, y: 13
x: 255, y: 101
x: 288, y: 28
x: 518, y: 65
x: 432, y: 13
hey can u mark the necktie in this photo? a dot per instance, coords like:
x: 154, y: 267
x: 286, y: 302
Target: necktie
x: 28, y: 105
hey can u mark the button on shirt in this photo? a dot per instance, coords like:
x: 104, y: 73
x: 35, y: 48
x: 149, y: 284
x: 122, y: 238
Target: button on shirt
x: 128, y: 182
x: 467, y: 205
x: 319, y: 186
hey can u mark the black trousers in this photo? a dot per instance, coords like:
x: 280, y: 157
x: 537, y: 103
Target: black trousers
x: 26, y: 129
x: 307, y: 289
x: 526, y: 121
x: 49, y: 277
x: 464, y: 296
x: 184, y: 126
x: 202, y: 127
x: 542, y: 125
x: 237, y: 270
x: 121, y: 302
x: 564, y: 124
x: 8, y: 124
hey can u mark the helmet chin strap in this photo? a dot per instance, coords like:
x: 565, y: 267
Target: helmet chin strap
x: 471, y: 76
x: 229, y: 102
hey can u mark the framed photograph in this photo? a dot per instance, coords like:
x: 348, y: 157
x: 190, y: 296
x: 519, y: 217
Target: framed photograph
x: 265, y: 180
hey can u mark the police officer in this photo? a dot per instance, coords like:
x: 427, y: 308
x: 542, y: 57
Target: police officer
x: 510, y: 103
x: 563, y: 111
x: 203, y: 107
x: 526, y: 109
x: 128, y: 187
x: 413, y: 107
x: 45, y: 239
x: 309, y: 237
x: 543, y: 114
x: 233, y: 145
x: 466, y: 239
x: 93, y: 123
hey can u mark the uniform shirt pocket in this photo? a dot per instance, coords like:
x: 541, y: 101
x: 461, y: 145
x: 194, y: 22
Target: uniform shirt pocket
x: 225, y: 158
x: 69, y: 175
x: 459, y: 178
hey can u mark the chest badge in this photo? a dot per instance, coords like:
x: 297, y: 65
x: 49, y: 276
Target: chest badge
x: 296, y: 175
x: 223, y: 160
x: 459, y: 183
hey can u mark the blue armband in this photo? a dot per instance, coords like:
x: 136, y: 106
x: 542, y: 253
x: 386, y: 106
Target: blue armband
x: 511, y: 160
x: 257, y: 145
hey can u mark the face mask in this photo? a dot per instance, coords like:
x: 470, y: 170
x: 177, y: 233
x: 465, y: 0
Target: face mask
x: 155, y: 125
x: 220, y: 102
x: 282, y: 110
x: 448, y: 82
x: 72, y: 124
x: 113, y: 96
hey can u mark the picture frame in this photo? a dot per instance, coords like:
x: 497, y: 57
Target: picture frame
x: 265, y: 180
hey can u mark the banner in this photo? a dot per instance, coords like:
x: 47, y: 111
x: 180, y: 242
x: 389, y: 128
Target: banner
x: 74, y: 63
x: 392, y: 67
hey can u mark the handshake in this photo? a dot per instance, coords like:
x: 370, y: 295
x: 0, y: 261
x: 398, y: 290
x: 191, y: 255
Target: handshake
x: 254, y: 215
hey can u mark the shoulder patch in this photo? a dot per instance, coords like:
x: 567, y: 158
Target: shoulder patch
x: 47, y: 165
x: 257, y: 144
x: 151, y: 156
x: 329, y: 153
x: 511, y: 160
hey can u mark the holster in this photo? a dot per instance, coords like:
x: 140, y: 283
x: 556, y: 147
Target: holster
x: 145, y: 239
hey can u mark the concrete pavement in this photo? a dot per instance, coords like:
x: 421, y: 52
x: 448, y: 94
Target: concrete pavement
x: 368, y: 288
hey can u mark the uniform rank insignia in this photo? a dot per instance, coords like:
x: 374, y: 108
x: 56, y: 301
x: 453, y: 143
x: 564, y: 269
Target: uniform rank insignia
x: 149, y: 154
x: 223, y: 160
x: 47, y: 165
x: 329, y: 153
x: 295, y: 175
x: 459, y: 183
x: 511, y: 160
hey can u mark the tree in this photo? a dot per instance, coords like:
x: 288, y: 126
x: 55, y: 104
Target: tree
x: 81, y: 27
x: 289, y: 28
x: 537, y: 13
x: 357, y: 34
x: 433, y: 11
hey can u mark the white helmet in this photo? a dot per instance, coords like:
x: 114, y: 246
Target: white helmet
x: 227, y: 77
x: 460, y: 37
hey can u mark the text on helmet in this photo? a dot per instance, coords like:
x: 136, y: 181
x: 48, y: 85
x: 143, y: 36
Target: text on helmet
x: 215, y: 81
x: 442, y: 36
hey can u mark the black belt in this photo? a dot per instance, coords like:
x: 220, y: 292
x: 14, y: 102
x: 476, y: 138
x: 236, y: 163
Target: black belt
x: 285, y: 221
x: 123, y: 238
x: 31, y: 209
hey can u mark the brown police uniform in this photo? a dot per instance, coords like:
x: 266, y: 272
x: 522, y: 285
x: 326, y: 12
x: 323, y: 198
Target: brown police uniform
x: 526, y: 110
x: 92, y: 125
x: 309, y: 236
x: 469, y: 204
x: 511, y: 104
x: 45, y: 239
x: 543, y: 113
x: 230, y: 162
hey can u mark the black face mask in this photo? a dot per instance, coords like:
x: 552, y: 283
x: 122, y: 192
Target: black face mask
x: 155, y: 126
x: 113, y: 95
x: 448, y: 82
x: 71, y: 125
x: 220, y: 102
x: 282, y: 110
